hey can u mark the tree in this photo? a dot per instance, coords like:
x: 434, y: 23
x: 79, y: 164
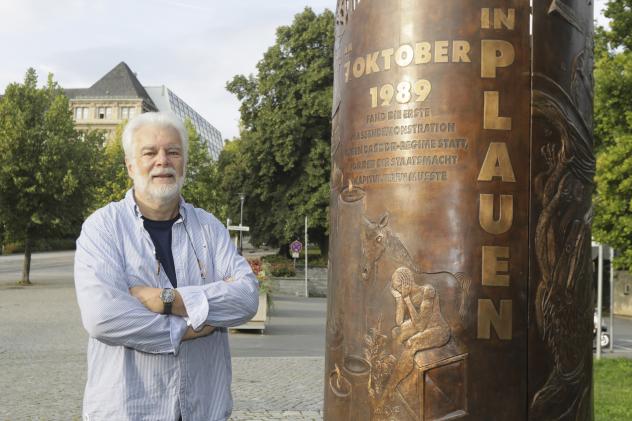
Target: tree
x: 283, y: 162
x: 113, y: 180
x: 202, y: 185
x: 613, y: 132
x: 46, y: 166
x: 613, y: 204
x: 613, y: 92
x: 620, y: 14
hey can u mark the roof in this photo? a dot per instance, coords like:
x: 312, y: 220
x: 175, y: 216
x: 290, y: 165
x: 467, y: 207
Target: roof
x: 120, y: 82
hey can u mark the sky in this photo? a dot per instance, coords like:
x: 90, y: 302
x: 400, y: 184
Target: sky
x: 194, y: 47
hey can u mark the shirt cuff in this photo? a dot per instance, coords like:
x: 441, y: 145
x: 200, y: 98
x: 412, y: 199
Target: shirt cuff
x: 195, y: 303
x: 178, y: 327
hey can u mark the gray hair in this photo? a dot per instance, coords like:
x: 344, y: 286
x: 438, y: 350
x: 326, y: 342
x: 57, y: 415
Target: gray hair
x: 158, y: 119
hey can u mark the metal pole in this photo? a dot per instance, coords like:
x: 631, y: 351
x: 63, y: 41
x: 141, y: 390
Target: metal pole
x: 599, y: 299
x: 242, y: 196
x: 611, y: 300
x: 306, y: 288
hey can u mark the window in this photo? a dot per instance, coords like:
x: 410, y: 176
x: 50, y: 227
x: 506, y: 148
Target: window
x: 127, y: 113
x: 81, y: 113
x: 104, y: 113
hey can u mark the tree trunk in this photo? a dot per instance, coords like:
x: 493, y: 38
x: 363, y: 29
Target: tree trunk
x: 284, y: 250
x: 323, y: 244
x: 26, y: 268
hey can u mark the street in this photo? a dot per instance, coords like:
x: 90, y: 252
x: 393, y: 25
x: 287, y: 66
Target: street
x: 622, y: 345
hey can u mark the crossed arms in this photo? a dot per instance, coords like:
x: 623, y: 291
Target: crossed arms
x: 116, y: 314
x: 150, y: 298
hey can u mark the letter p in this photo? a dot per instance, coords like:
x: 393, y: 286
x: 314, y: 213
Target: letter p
x: 495, y: 53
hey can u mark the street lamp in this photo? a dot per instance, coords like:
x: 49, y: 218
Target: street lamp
x: 242, y: 196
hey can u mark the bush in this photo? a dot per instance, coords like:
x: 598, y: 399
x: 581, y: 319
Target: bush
x: 50, y: 244
x: 283, y: 269
x: 275, y: 258
x: 280, y: 266
x: 262, y: 272
x: 318, y: 262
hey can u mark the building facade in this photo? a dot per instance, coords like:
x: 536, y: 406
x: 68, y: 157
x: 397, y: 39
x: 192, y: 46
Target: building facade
x: 166, y: 100
x: 119, y: 96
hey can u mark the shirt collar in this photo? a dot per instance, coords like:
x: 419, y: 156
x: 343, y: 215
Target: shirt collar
x: 131, y: 202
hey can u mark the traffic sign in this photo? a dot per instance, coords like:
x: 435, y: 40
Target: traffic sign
x: 296, y: 246
x: 238, y: 228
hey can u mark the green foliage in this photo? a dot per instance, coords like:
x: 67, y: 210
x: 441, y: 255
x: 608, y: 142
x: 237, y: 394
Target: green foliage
x: 613, y: 202
x: 285, y: 270
x: 202, y: 178
x: 232, y: 176
x: 317, y: 262
x: 262, y: 272
x: 613, y: 132
x: 45, y: 244
x: 282, y: 160
x: 113, y: 178
x: 275, y: 258
x: 613, y: 390
x: 202, y: 185
x: 613, y: 96
x: 46, y: 166
x: 279, y: 265
x: 620, y: 13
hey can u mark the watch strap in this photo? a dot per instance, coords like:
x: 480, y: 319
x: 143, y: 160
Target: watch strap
x: 167, y: 297
x: 167, y: 309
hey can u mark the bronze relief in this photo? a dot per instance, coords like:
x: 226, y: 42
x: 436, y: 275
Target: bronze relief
x: 459, y: 279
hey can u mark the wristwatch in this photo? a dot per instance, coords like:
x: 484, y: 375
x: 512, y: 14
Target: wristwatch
x: 168, y: 296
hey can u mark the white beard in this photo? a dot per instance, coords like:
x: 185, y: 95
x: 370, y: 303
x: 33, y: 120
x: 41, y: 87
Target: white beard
x: 160, y: 193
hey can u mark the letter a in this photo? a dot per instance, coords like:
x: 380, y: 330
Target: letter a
x: 497, y: 164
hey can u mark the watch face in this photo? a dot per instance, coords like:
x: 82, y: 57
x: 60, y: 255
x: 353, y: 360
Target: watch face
x: 168, y: 295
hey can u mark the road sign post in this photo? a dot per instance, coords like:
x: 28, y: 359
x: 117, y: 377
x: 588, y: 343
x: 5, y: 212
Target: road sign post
x: 295, y: 250
x: 239, y: 228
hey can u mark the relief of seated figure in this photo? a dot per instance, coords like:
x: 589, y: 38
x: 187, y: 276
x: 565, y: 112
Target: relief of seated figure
x: 420, y: 324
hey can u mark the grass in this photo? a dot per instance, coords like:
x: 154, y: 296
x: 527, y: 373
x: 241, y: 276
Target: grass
x: 613, y: 389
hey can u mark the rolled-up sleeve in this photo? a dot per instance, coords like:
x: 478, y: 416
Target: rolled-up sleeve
x: 232, y: 298
x: 108, y: 311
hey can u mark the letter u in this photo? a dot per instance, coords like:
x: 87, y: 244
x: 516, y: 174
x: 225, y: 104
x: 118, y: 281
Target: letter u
x: 486, y: 213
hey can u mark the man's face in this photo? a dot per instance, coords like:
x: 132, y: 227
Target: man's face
x: 157, y: 164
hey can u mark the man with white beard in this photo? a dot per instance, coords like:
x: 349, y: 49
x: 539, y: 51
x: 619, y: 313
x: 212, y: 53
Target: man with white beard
x: 158, y: 283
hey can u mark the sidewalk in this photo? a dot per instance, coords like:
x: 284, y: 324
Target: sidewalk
x: 276, y: 376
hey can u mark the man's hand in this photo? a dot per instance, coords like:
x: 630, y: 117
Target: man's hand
x: 150, y: 298
x: 406, y: 286
x: 192, y: 334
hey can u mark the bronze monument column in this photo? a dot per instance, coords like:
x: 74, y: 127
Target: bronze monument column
x: 459, y: 278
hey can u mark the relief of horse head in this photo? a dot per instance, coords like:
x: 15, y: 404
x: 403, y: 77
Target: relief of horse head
x: 378, y: 239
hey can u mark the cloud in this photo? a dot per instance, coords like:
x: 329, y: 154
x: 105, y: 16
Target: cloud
x: 192, y: 46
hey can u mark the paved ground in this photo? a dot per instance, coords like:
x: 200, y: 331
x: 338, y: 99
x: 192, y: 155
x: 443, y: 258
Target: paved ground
x: 296, y: 329
x: 276, y: 376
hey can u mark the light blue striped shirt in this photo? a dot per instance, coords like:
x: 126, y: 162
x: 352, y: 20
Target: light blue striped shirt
x: 138, y: 368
